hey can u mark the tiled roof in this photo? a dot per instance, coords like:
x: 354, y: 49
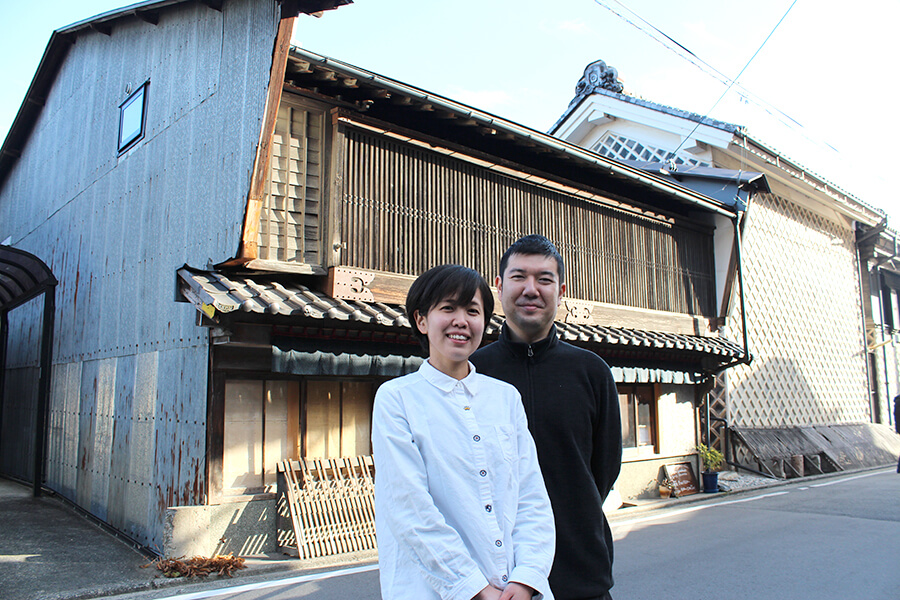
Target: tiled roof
x: 280, y: 295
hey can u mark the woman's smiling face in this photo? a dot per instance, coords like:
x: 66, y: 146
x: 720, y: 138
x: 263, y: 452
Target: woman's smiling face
x: 454, y: 332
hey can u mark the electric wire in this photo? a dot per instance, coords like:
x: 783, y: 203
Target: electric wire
x: 685, y: 53
x: 716, y: 103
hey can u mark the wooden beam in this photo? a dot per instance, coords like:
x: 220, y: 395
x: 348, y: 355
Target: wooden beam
x: 326, y: 76
x: 104, y: 28
x: 299, y: 66
x: 148, y: 16
x: 401, y: 100
x: 250, y: 235
x: 213, y: 4
x: 349, y: 283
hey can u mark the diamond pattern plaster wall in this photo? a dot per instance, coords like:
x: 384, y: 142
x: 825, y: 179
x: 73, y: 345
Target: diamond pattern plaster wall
x: 804, y: 323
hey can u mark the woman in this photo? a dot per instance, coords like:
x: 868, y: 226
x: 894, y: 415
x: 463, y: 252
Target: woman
x: 460, y: 506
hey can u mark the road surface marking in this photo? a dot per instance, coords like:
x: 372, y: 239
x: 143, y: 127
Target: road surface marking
x: 691, y: 509
x: 842, y: 480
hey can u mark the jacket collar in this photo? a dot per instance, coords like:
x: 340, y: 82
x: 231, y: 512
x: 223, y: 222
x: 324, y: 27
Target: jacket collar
x: 445, y: 383
x: 538, y: 348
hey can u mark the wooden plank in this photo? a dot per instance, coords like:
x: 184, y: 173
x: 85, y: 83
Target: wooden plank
x: 250, y: 235
x: 348, y: 283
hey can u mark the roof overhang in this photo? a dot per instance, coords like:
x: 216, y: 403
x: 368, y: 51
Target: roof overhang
x: 730, y: 140
x: 731, y: 187
x: 282, y: 299
x: 391, y: 101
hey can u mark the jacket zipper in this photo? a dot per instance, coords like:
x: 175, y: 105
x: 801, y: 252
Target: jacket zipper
x: 529, y: 364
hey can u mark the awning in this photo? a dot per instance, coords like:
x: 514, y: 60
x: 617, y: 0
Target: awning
x: 634, y: 352
x: 23, y: 276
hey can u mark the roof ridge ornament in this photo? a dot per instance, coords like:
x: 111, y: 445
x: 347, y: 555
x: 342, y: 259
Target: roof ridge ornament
x: 598, y: 76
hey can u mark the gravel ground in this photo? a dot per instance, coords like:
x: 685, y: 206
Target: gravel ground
x: 732, y: 481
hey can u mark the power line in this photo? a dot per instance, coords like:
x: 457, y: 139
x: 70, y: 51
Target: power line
x: 716, y: 103
x: 685, y: 53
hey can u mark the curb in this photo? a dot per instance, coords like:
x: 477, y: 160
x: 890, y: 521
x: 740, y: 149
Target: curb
x: 646, y: 506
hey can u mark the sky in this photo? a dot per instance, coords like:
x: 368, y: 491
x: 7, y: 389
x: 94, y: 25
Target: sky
x: 818, y: 88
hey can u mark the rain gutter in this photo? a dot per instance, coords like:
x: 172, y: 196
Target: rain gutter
x: 747, y: 358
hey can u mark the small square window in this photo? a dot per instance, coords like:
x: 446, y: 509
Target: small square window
x: 133, y: 118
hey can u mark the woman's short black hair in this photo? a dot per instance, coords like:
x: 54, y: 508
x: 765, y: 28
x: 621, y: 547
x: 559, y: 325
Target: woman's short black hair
x: 446, y: 281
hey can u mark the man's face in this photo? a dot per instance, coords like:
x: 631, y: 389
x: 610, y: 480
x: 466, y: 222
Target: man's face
x: 530, y: 292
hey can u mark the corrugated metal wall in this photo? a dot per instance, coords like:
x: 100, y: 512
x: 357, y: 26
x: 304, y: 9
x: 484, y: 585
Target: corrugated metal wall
x: 397, y: 197
x: 128, y: 410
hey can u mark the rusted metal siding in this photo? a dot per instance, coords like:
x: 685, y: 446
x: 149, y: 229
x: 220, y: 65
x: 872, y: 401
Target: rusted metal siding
x: 405, y: 209
x: 127, y: 433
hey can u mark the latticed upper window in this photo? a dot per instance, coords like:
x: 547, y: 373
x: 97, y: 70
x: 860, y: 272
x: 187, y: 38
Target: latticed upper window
x: 289, y: 222
x: 620, y: 147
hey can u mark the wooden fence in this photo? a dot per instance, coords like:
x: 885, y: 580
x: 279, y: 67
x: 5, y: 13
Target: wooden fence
x: 331, y: 504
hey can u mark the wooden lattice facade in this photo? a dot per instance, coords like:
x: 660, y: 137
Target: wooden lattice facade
x: 451, y: 210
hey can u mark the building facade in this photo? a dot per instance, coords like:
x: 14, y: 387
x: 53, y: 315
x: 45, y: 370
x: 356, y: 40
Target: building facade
x: 805, y: 302
x: 234, y: 241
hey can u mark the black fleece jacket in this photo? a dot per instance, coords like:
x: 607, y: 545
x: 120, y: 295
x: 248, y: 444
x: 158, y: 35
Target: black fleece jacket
x: 572, y: 406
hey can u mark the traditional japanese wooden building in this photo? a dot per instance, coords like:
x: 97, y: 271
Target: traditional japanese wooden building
x: 234, y: 241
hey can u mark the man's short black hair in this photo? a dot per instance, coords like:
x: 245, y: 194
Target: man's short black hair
x: 446, y: 281
x: 535, y: 244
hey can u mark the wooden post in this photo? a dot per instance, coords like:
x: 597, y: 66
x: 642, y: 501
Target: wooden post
x: 4, y: 338
x: 40, y: 427
x: 249, y: 244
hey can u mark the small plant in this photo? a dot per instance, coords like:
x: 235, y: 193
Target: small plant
x: 666, y: 484
x: 712, y: 458
x: 664, y: 487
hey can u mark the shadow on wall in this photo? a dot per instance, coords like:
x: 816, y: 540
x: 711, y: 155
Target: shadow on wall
x: 240, y: 528
x: 250, y: 530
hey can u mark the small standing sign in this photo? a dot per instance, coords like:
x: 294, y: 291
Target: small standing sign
x: 682, y: 477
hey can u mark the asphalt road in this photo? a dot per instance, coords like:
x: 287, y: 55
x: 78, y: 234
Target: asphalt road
x: 836, y: 538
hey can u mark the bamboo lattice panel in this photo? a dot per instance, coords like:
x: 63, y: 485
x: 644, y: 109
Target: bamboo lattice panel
x: 804, y: 324
x: 331, y: 503
x: 449, y: 210
x: 289, y: 223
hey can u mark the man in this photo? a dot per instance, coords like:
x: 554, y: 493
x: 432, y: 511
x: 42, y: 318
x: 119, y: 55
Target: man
x: 572, y: 406
x: 896, y: 423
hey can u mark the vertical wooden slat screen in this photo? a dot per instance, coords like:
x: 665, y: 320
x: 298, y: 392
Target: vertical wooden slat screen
x: 405, y: 209
x: 289, y: 228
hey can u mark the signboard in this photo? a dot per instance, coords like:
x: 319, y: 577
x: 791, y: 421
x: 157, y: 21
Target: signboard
x: 682, y: 477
